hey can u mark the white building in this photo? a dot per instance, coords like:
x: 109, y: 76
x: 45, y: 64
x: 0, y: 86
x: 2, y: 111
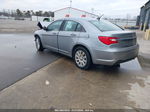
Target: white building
x: 72, y: 12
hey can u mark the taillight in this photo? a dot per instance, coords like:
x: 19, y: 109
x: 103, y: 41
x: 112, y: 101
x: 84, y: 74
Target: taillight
x: 108, y: 40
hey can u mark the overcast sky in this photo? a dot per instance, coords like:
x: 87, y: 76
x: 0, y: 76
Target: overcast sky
x: 110, y: 8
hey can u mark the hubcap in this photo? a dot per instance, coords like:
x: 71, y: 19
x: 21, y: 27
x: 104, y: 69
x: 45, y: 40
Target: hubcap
x: 80, y: 58
x: 37, y: 42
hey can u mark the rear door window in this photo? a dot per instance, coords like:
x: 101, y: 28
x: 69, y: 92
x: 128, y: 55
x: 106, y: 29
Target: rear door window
x: 70, y: 26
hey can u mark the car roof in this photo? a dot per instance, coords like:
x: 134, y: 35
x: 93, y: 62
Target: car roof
x: 78, y: 19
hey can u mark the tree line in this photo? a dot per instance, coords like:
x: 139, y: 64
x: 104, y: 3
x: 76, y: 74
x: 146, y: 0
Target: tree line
x: 27, y: 14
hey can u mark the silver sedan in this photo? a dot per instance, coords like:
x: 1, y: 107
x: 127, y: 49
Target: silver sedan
x: 88, y: 41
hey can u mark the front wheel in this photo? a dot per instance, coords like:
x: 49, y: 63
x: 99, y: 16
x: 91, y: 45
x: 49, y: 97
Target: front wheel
x: 38, y: 44
x: 82, y: 58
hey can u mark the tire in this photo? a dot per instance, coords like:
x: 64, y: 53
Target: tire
x: 116, y: 66
x: 82, y: 58
x: 38, y: 44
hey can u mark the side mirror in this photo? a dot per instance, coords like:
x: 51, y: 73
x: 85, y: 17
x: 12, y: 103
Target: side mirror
x: 45, y: 28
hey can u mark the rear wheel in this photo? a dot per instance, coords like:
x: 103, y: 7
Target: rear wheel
x: 82, y: 58
x: 38, y: 44
x: 117, y: 65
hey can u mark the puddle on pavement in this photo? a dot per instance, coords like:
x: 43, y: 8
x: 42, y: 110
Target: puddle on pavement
x: 139, y: 64
x: 144, y: 61
x: 140, y: 89
x: 139, y: 94
x: 131, y: 65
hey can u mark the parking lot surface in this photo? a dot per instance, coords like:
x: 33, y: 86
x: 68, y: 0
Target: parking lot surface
x: 18, y: 58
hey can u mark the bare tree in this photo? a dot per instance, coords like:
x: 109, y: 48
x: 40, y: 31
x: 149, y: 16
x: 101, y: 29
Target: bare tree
x: 46, y: 14
x: 28, y: 14
x: 19, y: 13
x: 38, y: 13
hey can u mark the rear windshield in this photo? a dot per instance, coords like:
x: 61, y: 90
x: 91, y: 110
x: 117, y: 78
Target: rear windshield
x: 103, y: 25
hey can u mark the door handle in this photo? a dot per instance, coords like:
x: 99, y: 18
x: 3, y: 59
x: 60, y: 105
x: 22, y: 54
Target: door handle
x: 54, y: 33
x: 73, y: 35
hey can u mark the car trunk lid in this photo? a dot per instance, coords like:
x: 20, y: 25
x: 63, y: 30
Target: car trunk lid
x: 125, y: 38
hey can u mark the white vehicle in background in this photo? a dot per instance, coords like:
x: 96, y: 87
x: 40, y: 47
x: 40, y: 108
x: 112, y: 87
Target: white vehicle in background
x: 44, y: 23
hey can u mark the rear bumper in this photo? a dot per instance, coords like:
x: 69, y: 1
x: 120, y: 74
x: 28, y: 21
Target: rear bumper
x: 115, y: 56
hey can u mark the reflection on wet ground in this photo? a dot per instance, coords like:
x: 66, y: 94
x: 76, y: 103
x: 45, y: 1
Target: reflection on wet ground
x: 139, y: 93
x: 138, y: 64
x: 19, y: 58
x: 144, y: 61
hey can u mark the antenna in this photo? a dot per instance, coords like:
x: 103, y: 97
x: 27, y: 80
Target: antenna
x: 92, y: 9
x: 99, y: 18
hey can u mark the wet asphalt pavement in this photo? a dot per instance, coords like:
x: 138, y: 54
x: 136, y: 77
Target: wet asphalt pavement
x: 19, y: 58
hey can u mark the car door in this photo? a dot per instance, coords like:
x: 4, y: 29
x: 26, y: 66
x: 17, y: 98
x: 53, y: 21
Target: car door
x: 67, y: 37
x: 50, y: 36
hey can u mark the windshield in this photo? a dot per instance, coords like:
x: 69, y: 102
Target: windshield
x: 103, y: 25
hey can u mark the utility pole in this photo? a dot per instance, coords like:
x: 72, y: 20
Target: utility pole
x: 92, y: 9
x: 70, y: 3
x: 70, y: 6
